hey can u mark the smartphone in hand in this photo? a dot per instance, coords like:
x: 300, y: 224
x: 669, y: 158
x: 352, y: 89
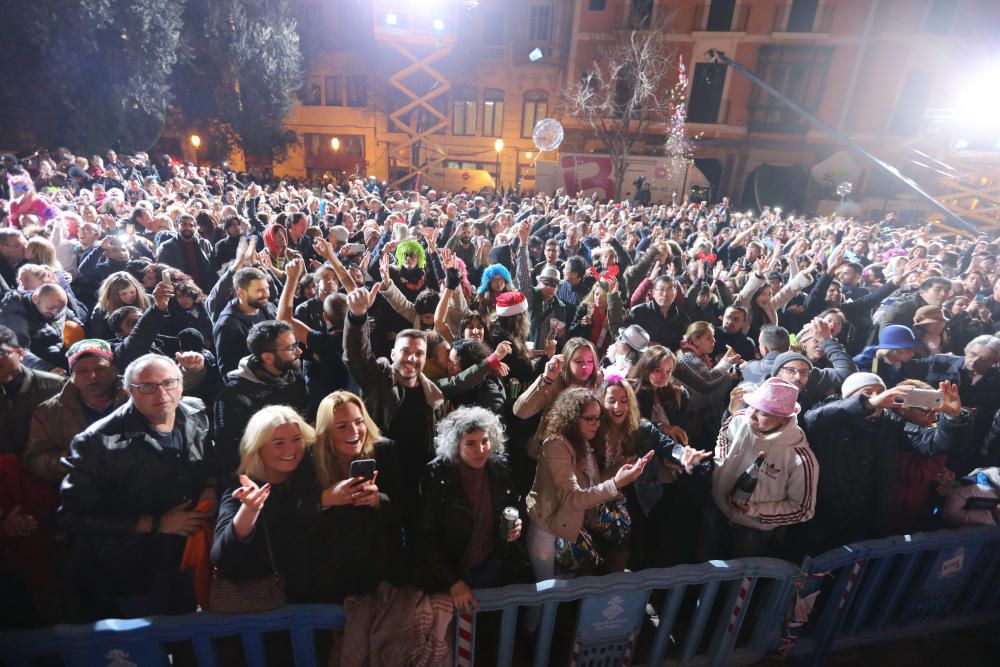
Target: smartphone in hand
x: 363, y: 468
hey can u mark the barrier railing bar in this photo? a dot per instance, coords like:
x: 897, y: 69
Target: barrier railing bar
x: 766, y: 624
x: 731, y: 620
x: 974, y: 593
x: 204, y: 651
x: 253, y: 649
x: 706, y: 599
x: 888, y: 607
x: 303, y: 646
x: 508, y: 627
x: 668, y: 616
x: 543, y: 643
x: 874, y: 575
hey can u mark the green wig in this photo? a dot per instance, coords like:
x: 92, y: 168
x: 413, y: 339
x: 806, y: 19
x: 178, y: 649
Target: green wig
x: 410, y: 248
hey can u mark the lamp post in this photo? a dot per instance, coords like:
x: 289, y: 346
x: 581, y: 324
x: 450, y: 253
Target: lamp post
x: 196, y: 142
x: 498, y: 146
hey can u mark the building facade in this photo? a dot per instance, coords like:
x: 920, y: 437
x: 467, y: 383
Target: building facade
x: 874, y: 69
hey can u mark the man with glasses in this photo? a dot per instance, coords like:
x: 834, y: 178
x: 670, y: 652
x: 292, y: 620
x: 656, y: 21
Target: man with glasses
x: 544, y: 306
x: 22, y: 389
x: 269, y: 375
x: 661, y: 318
x: 814, y: 383
x: 139, y: 482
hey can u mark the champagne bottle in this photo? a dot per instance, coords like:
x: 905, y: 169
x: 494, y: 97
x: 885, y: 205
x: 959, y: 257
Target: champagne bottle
x: 747, y: 482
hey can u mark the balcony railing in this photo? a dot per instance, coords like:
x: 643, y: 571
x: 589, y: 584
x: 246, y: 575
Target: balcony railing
x: 738, y: 21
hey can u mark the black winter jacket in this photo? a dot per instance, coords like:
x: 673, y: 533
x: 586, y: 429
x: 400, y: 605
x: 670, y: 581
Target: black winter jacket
x: 446, y: 522
x: 244, y: 394
x: 118, y: 472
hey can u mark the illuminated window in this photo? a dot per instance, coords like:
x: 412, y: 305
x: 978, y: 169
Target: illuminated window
x: 492, y: 112
x: 536, y: 107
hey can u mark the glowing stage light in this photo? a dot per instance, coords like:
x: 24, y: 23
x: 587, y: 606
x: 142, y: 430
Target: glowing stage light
x: 976, y: 102
x: 439, y: 25
x: 391, y: 19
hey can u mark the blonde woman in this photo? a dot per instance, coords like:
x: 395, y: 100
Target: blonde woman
x: 119, y: 289
x: 264, y: 522
x: 359, y: 525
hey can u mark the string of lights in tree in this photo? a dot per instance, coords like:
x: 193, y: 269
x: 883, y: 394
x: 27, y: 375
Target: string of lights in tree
x: 679, y: 145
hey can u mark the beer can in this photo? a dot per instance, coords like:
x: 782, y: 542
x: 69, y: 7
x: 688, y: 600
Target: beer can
x: 513, y: 389
x: 510, y: 517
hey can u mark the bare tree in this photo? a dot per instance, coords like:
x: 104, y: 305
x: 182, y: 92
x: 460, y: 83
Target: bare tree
x: 625, y: 91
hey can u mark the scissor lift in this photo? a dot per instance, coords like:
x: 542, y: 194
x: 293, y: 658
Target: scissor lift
x: 422, y: 33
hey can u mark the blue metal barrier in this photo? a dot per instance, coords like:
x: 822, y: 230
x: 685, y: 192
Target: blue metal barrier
x: 703, y: 608
x: 898, y: 587
x: 715, y: 613
x: 143, y: 642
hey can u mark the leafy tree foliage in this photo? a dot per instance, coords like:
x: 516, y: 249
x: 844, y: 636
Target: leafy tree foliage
x: 97, y: 73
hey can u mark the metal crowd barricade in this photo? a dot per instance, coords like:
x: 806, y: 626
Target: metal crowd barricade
x: 146, y: 642
x: 715, y: 613
x: 899, y: 587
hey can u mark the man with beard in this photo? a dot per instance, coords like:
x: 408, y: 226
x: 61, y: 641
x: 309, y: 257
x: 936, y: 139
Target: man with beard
x: 250, y: 306
x: 461, y: 246
x: 400, y: 398
x: 269, y: 375
x: 12, y: 248
x: 187, y: 254
x: 731, y: 334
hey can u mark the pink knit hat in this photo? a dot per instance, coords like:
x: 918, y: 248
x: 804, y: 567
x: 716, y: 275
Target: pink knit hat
x: 775, y: 397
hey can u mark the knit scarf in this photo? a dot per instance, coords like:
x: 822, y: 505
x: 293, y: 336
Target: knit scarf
x: 705, y: 358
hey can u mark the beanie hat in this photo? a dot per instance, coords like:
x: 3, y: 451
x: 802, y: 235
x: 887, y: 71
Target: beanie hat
x: 896, y: 337
x: 511, y: 303
x: 191, y: 340
x: 785, y: 357
x: 856, y: 381
x: 89, y: 347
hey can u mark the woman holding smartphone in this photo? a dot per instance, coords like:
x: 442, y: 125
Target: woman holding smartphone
x: 358, y: 472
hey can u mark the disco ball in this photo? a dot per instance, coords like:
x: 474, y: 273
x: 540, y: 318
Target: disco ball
x: 845, y: 189
x: 548, y: 134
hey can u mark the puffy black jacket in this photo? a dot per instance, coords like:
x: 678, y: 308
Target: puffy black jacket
x: 446, y: 522
x: 666, y: 331
x: 244, y: 394
x: 117, y: 472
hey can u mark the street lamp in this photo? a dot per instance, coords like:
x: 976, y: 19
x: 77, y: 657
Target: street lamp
x: 335, y: 144
x: 498, y: 146
x: 196, y: 142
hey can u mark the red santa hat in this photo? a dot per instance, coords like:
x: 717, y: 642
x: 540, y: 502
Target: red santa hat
x: 511, y: 303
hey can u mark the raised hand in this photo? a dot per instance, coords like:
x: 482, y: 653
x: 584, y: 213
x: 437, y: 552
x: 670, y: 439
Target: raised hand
x: 295, y: 268
x: 162, y: 294
x: 361, y: 299
x: 384, y: 271
x: 553, y: 366
x: 322, y: 247
x: 503, y: 349
x: 251, y: 495
x: 629, y: 472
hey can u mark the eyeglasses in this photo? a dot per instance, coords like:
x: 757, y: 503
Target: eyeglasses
x: 147, y: 388
x: 590, y: 419
x: 291, y: 350
x: 803, y: 372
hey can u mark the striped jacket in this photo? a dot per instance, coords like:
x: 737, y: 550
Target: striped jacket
x: 786, y: 488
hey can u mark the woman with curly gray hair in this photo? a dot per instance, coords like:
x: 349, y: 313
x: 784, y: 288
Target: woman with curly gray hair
x: 463, y: 538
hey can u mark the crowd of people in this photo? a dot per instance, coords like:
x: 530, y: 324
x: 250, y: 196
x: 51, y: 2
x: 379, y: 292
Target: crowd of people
x: 218, y: 393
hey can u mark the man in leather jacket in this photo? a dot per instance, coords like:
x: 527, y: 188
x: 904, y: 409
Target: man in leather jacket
x: 139, y: 482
